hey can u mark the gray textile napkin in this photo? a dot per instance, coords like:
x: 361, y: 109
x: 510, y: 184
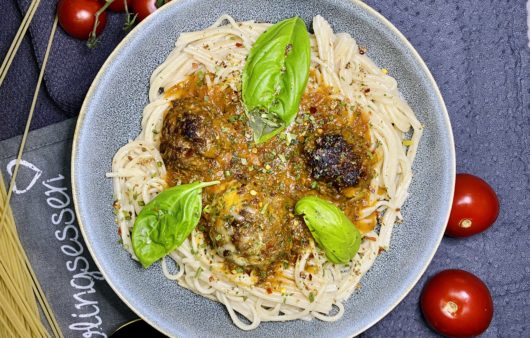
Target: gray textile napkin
x: 84, y: 304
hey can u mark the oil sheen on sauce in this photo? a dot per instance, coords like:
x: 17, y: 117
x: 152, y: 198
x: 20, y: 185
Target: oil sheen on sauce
x: 249, y: 218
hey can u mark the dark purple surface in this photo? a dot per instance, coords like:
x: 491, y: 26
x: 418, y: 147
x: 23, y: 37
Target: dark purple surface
x: 478, y: 53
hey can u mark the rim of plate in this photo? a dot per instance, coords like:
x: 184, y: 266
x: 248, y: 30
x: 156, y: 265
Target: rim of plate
x: 112, y: 56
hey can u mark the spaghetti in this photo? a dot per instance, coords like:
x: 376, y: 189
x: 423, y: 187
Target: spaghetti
x: 312, y: 286
x: 19, y: 288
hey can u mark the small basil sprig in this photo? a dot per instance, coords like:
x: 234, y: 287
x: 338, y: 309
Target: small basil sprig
x: 165, y: 222
x: 331, y: 229
x: 275, y: 77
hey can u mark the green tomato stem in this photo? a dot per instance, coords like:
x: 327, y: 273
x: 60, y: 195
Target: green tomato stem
x: 92, y: 37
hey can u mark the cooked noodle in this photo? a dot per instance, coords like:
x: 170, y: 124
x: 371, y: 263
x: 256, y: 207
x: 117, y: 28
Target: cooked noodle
x: 138, y: 172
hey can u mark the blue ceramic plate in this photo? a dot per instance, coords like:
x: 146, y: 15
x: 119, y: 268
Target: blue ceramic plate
x: 111, y: 116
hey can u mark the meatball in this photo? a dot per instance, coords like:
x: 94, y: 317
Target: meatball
x: 331, y: 159
x: 188, y: 141
x: 250, y: 229
x: 190, y: 127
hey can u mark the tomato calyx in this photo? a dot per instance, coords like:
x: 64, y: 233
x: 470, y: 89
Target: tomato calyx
x: 465, y: 223
x: 451, y: 308
x: 93, y: 40
x: 130, y: 20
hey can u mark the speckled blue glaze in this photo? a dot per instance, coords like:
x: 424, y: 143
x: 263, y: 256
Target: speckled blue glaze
x: 111, y: 116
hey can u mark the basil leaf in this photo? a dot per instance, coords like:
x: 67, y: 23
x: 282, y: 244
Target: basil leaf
x: 275, y: 77
x: 165, y: 222
x: 331, y: 229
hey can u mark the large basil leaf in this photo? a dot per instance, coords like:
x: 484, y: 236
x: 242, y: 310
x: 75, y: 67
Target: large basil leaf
x: 331, y: 229
x: 165, y: 222
x: 275, y: 77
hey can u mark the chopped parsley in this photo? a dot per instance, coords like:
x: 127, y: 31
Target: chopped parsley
x: 200, y: 76
x: 234, y: 118
x: 407, y: 143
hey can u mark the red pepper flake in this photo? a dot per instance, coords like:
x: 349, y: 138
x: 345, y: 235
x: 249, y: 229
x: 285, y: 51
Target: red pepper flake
x: 362, y: 50
x: 373, y: 239
x: 381, y: 250
x: 313, y: 110
x: 367, y: 90
x: 194, y: 65
x: 269, y: 290
x: 239, y: 44
x: 119, y: 231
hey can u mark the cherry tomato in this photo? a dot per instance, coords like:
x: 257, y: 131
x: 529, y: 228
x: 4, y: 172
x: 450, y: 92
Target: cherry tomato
x: 456, y: 303
x: 475, y: 207
x: 119, y: 5
x: 143, y: 8
x: 77, y: 17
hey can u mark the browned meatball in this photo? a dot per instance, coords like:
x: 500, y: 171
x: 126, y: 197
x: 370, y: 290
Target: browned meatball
x: 251, y: 229
x: 188, y: 141
x: 332, y: 159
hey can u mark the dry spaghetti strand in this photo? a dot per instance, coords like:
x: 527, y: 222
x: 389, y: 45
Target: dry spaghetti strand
x: 19, y: 312
x: 17, y: 40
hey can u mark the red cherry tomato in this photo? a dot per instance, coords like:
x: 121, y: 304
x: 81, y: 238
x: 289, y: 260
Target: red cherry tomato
x: 119, y: 5
x: 77, y: 17
x: 475, y: 207
x: 143, y: 8
x: 456, y: 303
